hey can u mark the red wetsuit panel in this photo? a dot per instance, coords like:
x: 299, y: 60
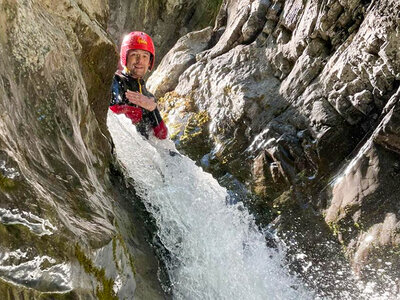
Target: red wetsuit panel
x: 132, y: 112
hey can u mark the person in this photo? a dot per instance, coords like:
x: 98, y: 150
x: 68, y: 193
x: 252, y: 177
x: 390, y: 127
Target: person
x: 129, y: 94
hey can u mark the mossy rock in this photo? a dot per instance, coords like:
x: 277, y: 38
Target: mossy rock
x: 17, y: 236
x: 7, y: 184
x: 192, y: 137
x: 9, y: 291
x: 382, y: 268
x: 104, y: 290
x: 118, y: 238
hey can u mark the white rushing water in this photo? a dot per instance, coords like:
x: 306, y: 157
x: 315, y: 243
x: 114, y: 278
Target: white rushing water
x: 216, y: 250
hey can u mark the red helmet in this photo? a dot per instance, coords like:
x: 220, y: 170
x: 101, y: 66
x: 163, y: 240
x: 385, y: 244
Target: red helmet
x: 137, y: 40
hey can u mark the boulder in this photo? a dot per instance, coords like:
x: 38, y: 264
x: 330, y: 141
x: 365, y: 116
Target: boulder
x: 293, y: 97
x: 165, y: 20
x: 60, y: 218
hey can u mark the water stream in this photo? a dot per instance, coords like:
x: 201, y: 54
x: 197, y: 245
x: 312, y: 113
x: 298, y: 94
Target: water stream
x: 216, y: 250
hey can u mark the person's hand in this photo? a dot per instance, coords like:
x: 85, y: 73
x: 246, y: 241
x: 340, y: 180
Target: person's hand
x: 141, y: 100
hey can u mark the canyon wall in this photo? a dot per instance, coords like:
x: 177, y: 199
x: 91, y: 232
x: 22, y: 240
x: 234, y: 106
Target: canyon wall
x: 299, y: 101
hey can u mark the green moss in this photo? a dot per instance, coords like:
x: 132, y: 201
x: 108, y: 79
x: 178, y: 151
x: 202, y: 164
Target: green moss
x: 57, y: 296
x: 126, y: 251
x: 334, y: 227
x: 194, y: 140
x: 14, y: 236
x: 105, y: 291
x: 7, y: 184
x: 175, y: 130
x: 195, y: 126
x: 346, y: 230
x: 284, y: 201
x: 10, y: 291
x: 359, y: 226
x: 173, y: 100
x: 114, y: 247
x: 192, y: 136
x: 302, y: 176
x: 212, y: 10
x: 82, y: 208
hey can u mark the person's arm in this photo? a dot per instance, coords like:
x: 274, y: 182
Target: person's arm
x: 159, y: 128
x: 149, y: 103
x: 141, y: 100
x: 119, y: 104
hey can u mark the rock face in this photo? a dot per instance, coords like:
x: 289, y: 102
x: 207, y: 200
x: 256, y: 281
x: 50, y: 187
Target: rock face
x: 364, y: 205
x: 60, y: 219
x: 299, y: 100
x: 164, y: 20
x: 286, y: 92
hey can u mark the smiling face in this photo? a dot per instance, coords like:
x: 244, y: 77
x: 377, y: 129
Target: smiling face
x: 138, y: 62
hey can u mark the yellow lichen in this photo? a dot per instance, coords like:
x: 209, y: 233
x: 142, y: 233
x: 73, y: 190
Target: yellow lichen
x: 227, y: 90
x: 194, y: 126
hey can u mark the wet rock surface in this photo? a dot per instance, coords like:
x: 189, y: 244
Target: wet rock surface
x: 59, y: 217
x: 295, y: 94
x: 297, y: 100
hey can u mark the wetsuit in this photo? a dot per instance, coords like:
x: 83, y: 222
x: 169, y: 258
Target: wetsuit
x: 142, y: 118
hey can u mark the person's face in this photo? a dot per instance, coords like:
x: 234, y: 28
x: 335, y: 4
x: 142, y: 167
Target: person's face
x: 138, y: 62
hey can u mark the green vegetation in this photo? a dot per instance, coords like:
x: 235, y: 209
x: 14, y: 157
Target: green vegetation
x: 81, y: 207
x: 359, y: 226
x: 213, y: 8
x: 194, y: 126
x: 57, y: 296
x: 104, y: 293
x: 126, y: 251
x: 284, y: 201
x: 193, y: 135
x: 114, y: 247
x: 19, y: 292
x: 15, y: 292
x: 14, y: 236
x: 334, y: 227
x: 105, y: 290
x: 175, y: 130
x: 6, y: 184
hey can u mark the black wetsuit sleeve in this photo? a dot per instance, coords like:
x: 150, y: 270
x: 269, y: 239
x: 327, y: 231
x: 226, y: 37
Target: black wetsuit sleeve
x: 156, y: 118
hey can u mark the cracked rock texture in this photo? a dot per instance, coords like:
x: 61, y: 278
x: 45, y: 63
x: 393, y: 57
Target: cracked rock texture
x: 64, y: 229
x: 164, y: 20
x: 300, y: 101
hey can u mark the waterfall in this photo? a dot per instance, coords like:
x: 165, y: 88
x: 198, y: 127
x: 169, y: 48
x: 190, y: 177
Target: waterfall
x: 216, y: 250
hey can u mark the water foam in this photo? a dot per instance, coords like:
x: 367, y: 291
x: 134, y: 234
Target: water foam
x: 216, y: 251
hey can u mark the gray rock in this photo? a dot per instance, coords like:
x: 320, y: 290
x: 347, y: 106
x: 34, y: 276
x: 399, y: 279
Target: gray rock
x: 290, y: 108
x: 256, y: 20
x: 178, y: 59
x: 55, y: 191
x: 388, y: 132
x: 165, y: 20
